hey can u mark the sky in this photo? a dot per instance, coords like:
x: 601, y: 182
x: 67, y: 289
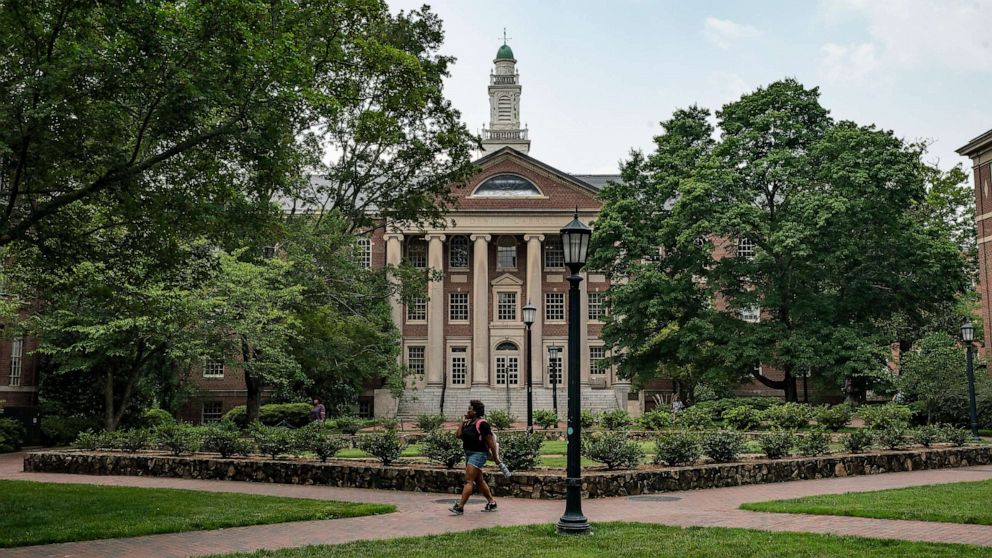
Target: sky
x: 598, y: 77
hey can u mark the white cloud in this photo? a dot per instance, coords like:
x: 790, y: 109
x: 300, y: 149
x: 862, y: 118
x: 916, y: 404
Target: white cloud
x: 723, y: 32
x: 841, y: 63
x: 727, y: 87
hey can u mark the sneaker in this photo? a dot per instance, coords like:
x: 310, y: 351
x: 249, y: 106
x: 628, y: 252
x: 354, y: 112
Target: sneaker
x: 490, y: 506
x: 456, y: 509
x: 505, y: 470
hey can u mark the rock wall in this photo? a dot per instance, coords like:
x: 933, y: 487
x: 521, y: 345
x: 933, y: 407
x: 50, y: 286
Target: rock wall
x: 538, y: 484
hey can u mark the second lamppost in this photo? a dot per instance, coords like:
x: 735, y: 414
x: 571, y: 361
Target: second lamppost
x: 529, y: 313
x: 575, y: 241
x: 968, y: 335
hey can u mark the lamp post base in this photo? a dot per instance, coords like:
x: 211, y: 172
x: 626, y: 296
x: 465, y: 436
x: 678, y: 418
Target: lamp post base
x: 573, y: 525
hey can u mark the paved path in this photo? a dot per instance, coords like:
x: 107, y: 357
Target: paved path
x: 423, y: 514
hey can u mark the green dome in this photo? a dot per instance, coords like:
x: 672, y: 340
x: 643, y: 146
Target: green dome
x: 504, y: 53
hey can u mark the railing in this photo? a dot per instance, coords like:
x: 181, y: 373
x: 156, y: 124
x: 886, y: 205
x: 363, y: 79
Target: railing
x: 502, y: 80
x: 504, y: 135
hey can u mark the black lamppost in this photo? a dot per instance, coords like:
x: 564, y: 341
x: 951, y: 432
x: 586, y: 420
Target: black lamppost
x: 968, y: 335
x: 575, y: 240
x: 529, y: 312
x: 555, y: 374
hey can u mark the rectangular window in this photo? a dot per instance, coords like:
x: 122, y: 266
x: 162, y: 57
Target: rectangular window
x: 16, y: 352
x: 506, y: 306
x: 415, y: 359
x: 554, y: 307
x: 745, y: 248
x: 458, y: 307
x: 213, y: 369
x: 459, y: 365
x: 506, y: 257
x: 554, y: 254
x: 416, y: 311
x: 596, y: 356
x: 554, y: 367
x: 507, y: 367
x: 364, y: 253
x: 751, y: 314
x: 596, y: 306
x: 212, y: 411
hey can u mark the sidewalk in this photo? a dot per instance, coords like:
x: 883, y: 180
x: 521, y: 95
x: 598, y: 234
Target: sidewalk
x: 425, y: 513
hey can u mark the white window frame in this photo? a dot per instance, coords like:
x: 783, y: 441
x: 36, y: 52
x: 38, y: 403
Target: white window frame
x: 506, y: 363
x: 211, y: 367
x: 750, y: 314
x: 416, y: 310
x: 212, y: 416
x: 458, y: 247
x: 554, y: 252
x: 503, y: 307
x: 16, y: 361
x: 416, y: 364
x: 458, y: 312
x: 596, y: 365
x: 503, y: 252
x: 554, y: 307
x: 416, y: 253
x: 364, y: 245
x: 745, y: 248
x: 596, y: 316
x: 458, y: 364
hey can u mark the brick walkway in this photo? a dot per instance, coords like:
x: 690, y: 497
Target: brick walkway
x: 422, y: 514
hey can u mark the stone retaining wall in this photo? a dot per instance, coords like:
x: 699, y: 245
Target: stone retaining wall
x: 538, y: 484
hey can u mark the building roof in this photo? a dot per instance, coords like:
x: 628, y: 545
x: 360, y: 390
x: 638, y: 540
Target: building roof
x: 504, y: 53
x: 590, y: 182
x: 973, y: 147
x: 597, y: 181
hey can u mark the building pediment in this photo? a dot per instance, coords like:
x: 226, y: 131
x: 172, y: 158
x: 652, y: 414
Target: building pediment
x: 507, y: 280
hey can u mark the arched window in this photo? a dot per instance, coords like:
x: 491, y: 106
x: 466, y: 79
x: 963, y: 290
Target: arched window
x: 506, y: 252
x: 507, y: 363
x: 458, y: 253
x: 364, y: 252
x: 506, y: 186
x: 416, y: 253
x: 745, y: 248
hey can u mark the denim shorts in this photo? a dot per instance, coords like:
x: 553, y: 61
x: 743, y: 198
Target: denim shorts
x: 476, y: 459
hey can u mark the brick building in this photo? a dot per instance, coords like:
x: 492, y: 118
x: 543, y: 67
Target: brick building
x: 979, y: 150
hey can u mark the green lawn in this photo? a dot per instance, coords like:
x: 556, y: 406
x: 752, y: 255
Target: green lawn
x: 961, y: 502
x: 41, y: 513
x: 631, y: 540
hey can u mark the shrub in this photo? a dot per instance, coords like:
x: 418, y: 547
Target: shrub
x: 834, y: 417
x: 430, y: 423
x: 717, y: 407
x: 777, y: 444
x: 348, y: 424
x: 815, y: 442
x: 273, y: 440
x: 442, y: 447
x: 858, y: 441
x: 677, y: 448
x: 387, y: 423
x: 613, y: 449
x: 789, y: 416
x: 957, y: 437
x: 155, y: 417
x: 742, y: 417
x: 315, y: 437
x: 892, y: 436
x: 385, y: 445
x: 926, y: 435
x: 617, y: 419
x: 226, y: 440
x: 695, y: 417
x: 89, y: 440
x: 11, y: 435
x: 657, y: 419
x: 587, y: 419
x: 546, y: 418
x: 272, y: 414
x: 177, y: 437
x: 62, y: 431
x: 130, y: 440
x: 878, y: 417
x: 723, y: 446
x: 520, y: 451
x: 500, y: 419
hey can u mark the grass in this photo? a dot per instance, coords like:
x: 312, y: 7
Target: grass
x: 42, y: 513
x: 961, y: 502
x: 630, y: 540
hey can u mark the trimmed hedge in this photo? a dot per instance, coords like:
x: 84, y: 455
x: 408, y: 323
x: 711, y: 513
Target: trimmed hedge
x: 273, y: 414
x: 11, y: 435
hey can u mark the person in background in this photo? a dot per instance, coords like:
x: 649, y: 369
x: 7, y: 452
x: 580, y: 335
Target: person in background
x: 318, y: 412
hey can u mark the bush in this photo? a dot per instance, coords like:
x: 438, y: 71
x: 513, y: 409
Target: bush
x: 723, y: 446
x: 546, y: 418
x: 177, y: 437
x: 11, y: 435
x: 892, y: 437
x: 789, y: 416
x: 718, y: 407
x: 130, y: 440
x: 500, y: 419
x: 155, y: 417
x: 696, y: 417
x: 587, y: 419
x: 273, y: 440
x: 442, y: 447
x: 273, y: 414
x: 349, y: 424
x: 957, y: 437
x: 834, y: 418
x: 878, y: 417
x: 62, y: 431
x: 742, y: 417
x: 815, y: 442
x: 617, y: 419
x: 926, y: 435
x: 613, y: 449
x: 777, y: 444
x: 226, y: 440
x: 89, y: 440
x: 315, y: 437
x: 677, y: 448
x: 385, y: 445
x: 858, y: 441
x: 657, y: 419
x: 520, y: 451
x: 430, y: 423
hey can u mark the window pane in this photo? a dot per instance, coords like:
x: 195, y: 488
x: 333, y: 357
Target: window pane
x: 458, y: 307
x: 458, y: 252
x: 459, y: 366
x: 506, y: 252
x: 595, y: 306
x: 415, y: 359
x: 364, y: 253
x: 213, y: 369
x: 596, y: 355
x: 554, y: 306
x: 745, y: 248
x: 416, y: 253
x: 416, y: 311
x: 506, y: 306
x: 554, y: 254
x: 16, y: 353
x: 212, y: 411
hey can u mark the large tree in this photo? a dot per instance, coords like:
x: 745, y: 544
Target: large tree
x: 801, y: 233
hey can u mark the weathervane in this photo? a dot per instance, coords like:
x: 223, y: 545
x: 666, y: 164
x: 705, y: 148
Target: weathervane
x: 505, y: 38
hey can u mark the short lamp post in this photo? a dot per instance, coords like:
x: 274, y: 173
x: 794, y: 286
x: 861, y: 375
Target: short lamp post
x: 968, y: 336
x: 575, y: 241
x: 555, y: 374
x: 529, y: 312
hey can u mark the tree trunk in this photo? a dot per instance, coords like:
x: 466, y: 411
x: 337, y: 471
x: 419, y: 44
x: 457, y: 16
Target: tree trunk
x: 786, y: 384
x: 253, y: 401
x: 108, y: 400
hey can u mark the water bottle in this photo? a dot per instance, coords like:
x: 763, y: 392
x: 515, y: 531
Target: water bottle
x: 505, y: 469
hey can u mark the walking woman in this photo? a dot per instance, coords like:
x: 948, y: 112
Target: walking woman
x: 479, y: 444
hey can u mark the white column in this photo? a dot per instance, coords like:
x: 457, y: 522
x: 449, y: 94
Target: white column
x: 584, y: 328
x: 480, y: 309
x: 535, y: 295
x: 394, y: 254
x: 435, y: 312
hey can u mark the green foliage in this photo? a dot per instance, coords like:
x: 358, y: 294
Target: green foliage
x: 546, y: 418
x: 272, y: 440
x: 858, y: 441
x: 430, y: 423
x: 742, y: 417
x: 677, y: 448
x: 777, y: 444
x: 878, y: 417
x: 695, y: 417
x: 500, y: 419
x: 617, y: 419
x: 613, y: 449
x: 11, y: 435
x: 656, y: 419
x: 130, y: 439
x: 348, y: 424
x: 89, y: 440
x: 834, y: 417
x: 926, y: 435
x: 442, y: 447
x: 587, y: 419
x: 62, y: 431
x: 384, y: 445
x: 813, y: 443
x: 723, y: 446
x: 892, y: 436
x: 226, y: 440
x: 177, y: 437
x: 155, y: 417
x: 272, y: 414
x: 521, y: 451
x: 720, y: 406
x: 790, y: 416
x: 957, y: 437
x: 315, y: 437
